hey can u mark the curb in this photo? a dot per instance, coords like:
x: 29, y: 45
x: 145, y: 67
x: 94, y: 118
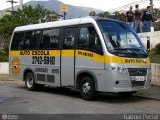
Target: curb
x: 150, y: 98
x: 6, y: 77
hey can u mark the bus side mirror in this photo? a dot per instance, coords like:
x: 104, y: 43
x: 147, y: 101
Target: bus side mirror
x: 148, y: 44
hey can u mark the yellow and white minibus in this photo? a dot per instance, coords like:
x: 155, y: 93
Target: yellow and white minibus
x: 90, y: 54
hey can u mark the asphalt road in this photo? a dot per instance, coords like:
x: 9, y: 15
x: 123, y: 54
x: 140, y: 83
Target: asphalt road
x: 14, y: 98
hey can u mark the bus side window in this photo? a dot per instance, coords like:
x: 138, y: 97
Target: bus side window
x: 35, y: 41
x: 27, y: 40
x: 69, y: 38
x: 89, y: 40
x: 17, y: 42
x: 32, y: 39
x: 50, y: 39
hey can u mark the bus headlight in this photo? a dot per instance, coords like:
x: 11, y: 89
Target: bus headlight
x: 118, y: 69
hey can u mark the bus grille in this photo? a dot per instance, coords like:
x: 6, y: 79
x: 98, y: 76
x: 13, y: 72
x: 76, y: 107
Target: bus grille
x: 137, y: 72
x: 137, y: 83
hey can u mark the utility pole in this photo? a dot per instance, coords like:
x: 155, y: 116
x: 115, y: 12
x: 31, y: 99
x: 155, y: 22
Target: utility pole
x: 64, y: 15
x: 152, y: 10
x: 12, y: 2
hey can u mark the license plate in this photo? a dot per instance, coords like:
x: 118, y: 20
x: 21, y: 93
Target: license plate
x: 137, y: 78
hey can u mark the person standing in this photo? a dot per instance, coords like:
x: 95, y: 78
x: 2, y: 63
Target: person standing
x: 146, y: 19
x: 130, y: 17
x: 138, y: 19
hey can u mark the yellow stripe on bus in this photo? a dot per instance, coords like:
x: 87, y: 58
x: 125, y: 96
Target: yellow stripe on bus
x: 85, y: 54
x: 90, y: 55
x: 68, y: 53
x: 130, y: 61
x: 113, y: 59
x: 35, y: 53
x: 136, y: 61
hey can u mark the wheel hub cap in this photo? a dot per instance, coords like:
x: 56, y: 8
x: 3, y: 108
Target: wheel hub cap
x: 30, y: 82
x: 86, y: 88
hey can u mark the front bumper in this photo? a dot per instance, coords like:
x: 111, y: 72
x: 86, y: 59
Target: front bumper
x: 119, y: 82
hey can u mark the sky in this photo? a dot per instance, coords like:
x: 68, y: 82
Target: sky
x: 98, y: 4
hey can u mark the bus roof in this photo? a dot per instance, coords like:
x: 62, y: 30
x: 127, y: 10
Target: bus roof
x: 68, y: 22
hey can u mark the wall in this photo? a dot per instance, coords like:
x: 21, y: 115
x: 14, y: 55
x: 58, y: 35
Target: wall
x: 154, y: 38
x: 4, y: 68
x: 155, y: 74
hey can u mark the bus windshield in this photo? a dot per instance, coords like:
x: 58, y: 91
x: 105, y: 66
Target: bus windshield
x: 121, y: 39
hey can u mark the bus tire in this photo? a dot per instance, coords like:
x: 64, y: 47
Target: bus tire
x: 87, y: 88
x: 30, y: 81
x: 126, y: 94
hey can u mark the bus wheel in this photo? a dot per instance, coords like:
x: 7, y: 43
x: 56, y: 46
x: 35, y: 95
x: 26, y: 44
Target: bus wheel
x: 87, y: 88
x: 29, y: 81
x: 126, y: 94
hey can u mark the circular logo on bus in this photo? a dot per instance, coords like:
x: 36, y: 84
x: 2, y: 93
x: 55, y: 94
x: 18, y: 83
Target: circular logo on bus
x: 15, y: 66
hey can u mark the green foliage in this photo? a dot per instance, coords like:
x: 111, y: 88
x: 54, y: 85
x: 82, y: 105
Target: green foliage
x: 156, y: 13
x: 159, y: 26
x: 154, y: 54
x: 156, y: 26
x: 3, y: 58
x: 154, y: 58
x: 157, y: 49
x: 2, y: 53
x: 92, y: 13
x: 105, y: 15
x: 116, y: 15
x: 28, y: 15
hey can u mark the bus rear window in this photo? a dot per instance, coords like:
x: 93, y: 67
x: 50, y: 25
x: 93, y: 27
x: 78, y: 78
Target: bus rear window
x: 17, y: 41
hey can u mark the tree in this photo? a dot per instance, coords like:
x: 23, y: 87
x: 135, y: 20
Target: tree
x: 157, y: 19
x: 28, y: 15
x: 92, y: 13
x: 156, y: 13
x: 116, y: 15
x: 105, y: 15
x: 156, y: 26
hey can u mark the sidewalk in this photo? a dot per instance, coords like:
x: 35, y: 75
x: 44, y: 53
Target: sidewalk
x: 152, y: 93
x: 5, y: 77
